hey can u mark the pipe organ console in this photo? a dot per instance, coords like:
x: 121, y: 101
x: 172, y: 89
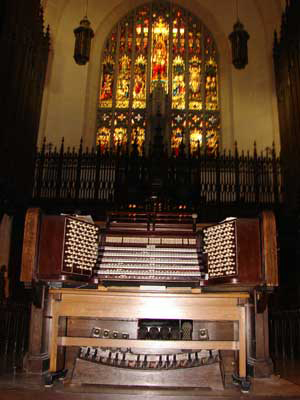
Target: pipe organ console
x: 168, y: 295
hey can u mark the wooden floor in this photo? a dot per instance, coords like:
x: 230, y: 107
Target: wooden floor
x: 29, y: 387
x: 289, y: 370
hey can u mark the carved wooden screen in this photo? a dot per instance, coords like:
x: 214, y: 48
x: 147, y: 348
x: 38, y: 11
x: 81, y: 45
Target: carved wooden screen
x: 159, y: 42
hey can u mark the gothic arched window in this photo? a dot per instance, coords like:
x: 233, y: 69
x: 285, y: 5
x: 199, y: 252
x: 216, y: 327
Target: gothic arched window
x: 159, y: 43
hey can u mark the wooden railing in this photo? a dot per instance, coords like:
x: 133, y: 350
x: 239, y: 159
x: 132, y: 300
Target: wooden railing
x: 89, y: 175
x: 285, y: 334
x: 14, y: 333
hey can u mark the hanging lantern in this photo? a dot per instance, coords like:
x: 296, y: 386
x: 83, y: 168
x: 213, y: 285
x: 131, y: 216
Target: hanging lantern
x: 83, y: 37
x: 239, y: 38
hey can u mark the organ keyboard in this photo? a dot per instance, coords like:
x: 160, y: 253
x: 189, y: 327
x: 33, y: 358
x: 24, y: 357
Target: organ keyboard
x: 152, y: 255
x: 71, y: 249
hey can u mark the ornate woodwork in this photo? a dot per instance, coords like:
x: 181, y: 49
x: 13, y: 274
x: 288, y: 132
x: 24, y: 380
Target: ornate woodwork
x: 287, y: 73
x: 24, y: 54
x: 67, y: 180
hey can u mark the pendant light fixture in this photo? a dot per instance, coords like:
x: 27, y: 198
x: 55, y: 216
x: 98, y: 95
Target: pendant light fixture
x: 83, y: 37
x: 239, y: 38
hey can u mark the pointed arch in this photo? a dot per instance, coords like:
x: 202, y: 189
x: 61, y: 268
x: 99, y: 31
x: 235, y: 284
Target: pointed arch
x: 159, y: 42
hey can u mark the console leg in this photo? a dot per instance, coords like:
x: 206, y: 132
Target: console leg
x: 53, y: 376
x: 244, y: 383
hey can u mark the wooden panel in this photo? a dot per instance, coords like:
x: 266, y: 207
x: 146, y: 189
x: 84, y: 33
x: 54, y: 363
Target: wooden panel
x: 146, y: 291
x: 206, y: 376
x: 50, y: 247
x: 158, y: 307
x: 242, y: 343
x: 269, y: 248
x: 53, y: 338
x: 30, y: 244
x: 218, y: 330
x: 135, y: 292
x: 84, y: 326
x: 24, y: 56
x: 249, y: 254
x: 228, y: 362
x: 153, y: 344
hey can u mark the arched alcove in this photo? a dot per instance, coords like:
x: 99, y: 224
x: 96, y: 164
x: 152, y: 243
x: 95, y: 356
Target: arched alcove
x: 248, y: 108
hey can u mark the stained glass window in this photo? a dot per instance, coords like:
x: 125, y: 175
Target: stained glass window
x: 196, y: 132
x: 178, y: 83
x: 106, y: 92
x: 159, y: 44
x: 160, y: 52
x: 139, y: 89
x: 122, y: 95
x: 138, y: 124
x: 178, y: 125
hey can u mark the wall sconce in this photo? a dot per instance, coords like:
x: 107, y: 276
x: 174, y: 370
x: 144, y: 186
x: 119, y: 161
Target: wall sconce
x: 83, y: 37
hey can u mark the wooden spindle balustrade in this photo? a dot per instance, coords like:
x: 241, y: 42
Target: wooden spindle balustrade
x: 91, y: 175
